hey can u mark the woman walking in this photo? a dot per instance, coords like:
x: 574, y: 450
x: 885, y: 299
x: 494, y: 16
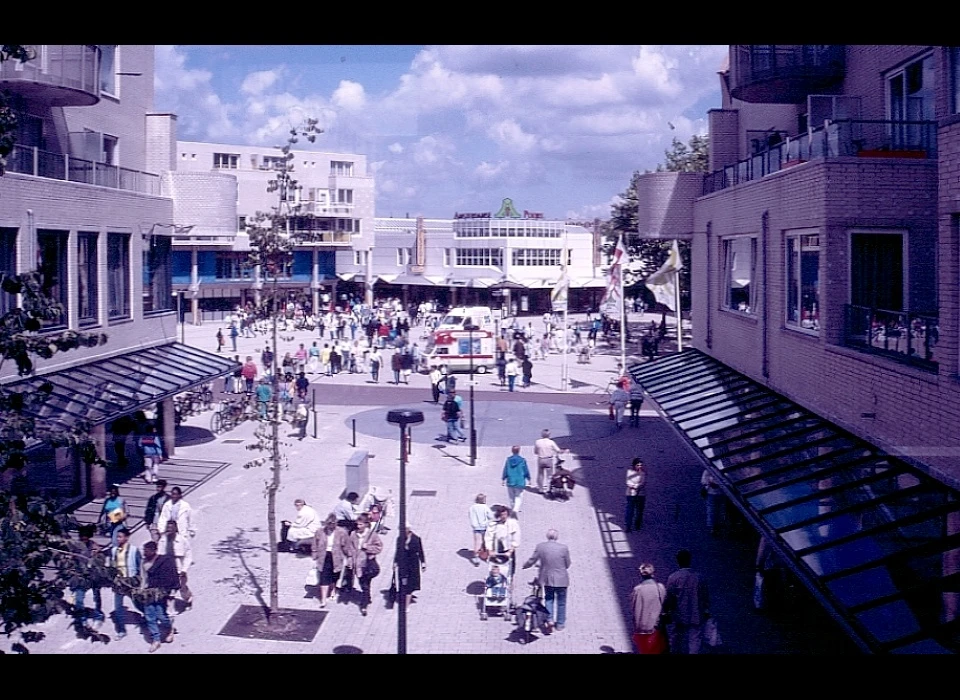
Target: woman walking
x: 636, y: 496
x: 113, y: 513
x: 151, y: 449
x: 646, y: 603
x: 366, y: 545
x: 332, y: 550
x: 480, y: 518
x: 410, y: 562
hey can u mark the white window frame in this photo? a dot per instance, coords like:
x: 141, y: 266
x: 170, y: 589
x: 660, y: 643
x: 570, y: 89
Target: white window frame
x: 728, y: 263
x: 446, y: 257
x: 114, y: 50
x: 799, y: 235
x: 226, y: 161
x: 344, y: 196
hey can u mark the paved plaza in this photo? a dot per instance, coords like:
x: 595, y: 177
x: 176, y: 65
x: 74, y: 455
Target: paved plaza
x: 231, y: 558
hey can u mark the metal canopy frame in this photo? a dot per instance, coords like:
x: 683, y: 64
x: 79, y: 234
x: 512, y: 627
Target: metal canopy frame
x: 876, y: 540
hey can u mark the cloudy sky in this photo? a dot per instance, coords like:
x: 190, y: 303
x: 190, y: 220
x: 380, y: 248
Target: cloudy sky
x: 559, y: 129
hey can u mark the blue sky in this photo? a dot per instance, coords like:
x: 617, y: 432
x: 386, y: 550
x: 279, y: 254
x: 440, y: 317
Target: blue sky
x: 559, y: 129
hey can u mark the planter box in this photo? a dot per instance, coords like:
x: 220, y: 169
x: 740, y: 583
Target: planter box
x: 880, y: 153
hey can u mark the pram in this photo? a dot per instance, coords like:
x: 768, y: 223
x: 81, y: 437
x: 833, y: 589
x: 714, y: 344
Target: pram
x: 532, y: 614
x: 375, y: 503
x: 561, y: 485
x: 497, y: 587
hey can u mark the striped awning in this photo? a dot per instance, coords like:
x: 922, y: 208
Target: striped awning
x: 875, y: 539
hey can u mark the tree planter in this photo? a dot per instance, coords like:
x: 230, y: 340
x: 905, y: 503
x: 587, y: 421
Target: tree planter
x: 882, y: 153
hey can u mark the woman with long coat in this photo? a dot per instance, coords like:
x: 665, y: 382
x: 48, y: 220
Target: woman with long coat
x: 366, y: 545
x: 410, y: 562
x: 332, y: 551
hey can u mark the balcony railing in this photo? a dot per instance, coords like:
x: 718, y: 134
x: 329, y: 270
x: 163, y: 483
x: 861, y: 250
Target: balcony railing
x: 58, y: 75
x: 848, y: 137
x: 902, y: 335
x: 61, y: 166
x: 784, y: 74
x: 326, y: 208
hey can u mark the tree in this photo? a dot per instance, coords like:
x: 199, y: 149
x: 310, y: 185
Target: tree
x: 273, y: 237
x: 8, y: 118
x: 647, y: 255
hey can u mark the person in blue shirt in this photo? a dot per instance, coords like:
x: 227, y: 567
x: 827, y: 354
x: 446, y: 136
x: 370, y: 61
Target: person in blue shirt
x: 516, y: 477
x: 264, y: 394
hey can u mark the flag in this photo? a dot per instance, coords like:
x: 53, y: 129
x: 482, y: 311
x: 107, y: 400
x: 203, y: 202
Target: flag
x: 613, y: 298
x: 663, y: 282
x: 558, y: 295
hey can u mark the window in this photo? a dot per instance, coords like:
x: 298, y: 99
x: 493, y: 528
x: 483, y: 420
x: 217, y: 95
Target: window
x: 446, y: 257
x: 360, y: 257
x: 955, y: 79
x: 739, y: 274
x: 8, y: 265
x: 876, y: 271
x: 272, y: 162
x: 52, y: 264
x: 118, y: 275
x: 803, y: 281
x: 108, y: 149
x: 344, y: 196
x: 88, y: 300
x: 539, y: 257
x: 404, y: 255
x: 241, y: 223
x: 479, y: 257
x: 228, y: 161
x: 233, y: 266
x: 157, y: 275
x: 910, y: 92
x: 108, y: 69
x: 341, y: 167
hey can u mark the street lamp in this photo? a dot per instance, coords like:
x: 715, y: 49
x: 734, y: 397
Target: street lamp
x: 183, y: 326
x: 470, y: 327
x: 404, y: 417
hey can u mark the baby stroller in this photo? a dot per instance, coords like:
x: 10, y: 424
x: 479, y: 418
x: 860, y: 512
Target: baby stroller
x: 561, y: 485
x: 532, y: 614
x: 497, y: 588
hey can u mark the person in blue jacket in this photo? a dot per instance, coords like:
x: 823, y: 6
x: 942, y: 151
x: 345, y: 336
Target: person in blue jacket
x: 516, y: 477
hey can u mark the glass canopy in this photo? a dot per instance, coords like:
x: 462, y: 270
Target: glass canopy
x: 875, y: 539
x: 101, y: 390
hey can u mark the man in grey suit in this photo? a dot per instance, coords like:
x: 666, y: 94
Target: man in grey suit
x: 554, y: 561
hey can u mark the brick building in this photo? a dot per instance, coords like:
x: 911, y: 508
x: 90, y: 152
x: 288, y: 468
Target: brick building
x: 822, y: 389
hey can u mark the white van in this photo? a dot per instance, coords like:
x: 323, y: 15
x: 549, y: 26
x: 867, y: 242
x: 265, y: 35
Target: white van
x: 450, y: 351
x: 481, y: 316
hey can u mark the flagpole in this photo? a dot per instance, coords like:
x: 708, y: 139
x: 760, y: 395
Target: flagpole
x: 679, y: 316
x: 564, y: 371
x: 623, y: 312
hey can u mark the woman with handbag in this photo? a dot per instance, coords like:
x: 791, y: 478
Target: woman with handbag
x: 366, y: 545
x: 646, y: 602
x: 332, y: 551
x: 112, y: 514
x: 480, y: 518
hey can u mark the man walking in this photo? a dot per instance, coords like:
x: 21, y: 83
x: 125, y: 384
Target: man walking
x: 546, y: 451
x: 126, y: 559
x: 154, y: 506
x: 435, y: 378
x: 516, y: 477
x: 452, y: 414
x: 688, y: 606
x: 618, y: 402
x: 178, y: 546
x: 636, y: 402
x: 159, y: 576
x: 636, y: 496
x: 554, y: 559
x: 177, y: 509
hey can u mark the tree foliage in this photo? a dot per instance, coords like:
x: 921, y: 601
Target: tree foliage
x: 273, y: 237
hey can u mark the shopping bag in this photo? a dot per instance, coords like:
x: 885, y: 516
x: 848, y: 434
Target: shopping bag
x: 711, y: 635
x: 313, y: 577
x: 651, y: 642
x: 392, y: 591
x: 612, y: 414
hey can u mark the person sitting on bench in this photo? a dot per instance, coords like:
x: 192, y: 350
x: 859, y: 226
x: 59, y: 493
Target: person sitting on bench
x: 302, y: 528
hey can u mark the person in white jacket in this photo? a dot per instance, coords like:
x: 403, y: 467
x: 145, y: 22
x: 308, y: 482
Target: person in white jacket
x: 480, y: 518
x: 175, y: 508
x: 178, y: 546
x: 303, y: 527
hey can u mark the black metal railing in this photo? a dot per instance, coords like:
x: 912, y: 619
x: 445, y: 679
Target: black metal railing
x: 28, y: 160
x: 866, y: 138
x: 903, y: 335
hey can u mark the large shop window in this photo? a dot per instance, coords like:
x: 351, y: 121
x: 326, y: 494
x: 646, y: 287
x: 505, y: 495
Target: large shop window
x: 157, y: 275
x: 118, y: 275
x: 739, y: 273
x: 88, y: 298
x: 910, y: 92
x: 803, y: 281
x: 52, y: 263
x: 8, y: 265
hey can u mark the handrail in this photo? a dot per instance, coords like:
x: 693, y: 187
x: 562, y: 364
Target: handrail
x: 903, y: 334
x: 30, y: 160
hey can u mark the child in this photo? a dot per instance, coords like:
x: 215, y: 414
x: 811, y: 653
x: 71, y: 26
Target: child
x: 496, y: 583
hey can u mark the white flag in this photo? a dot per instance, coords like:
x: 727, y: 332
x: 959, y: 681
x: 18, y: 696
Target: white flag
x: 612, y: 301
x: 558, y: 295
x: 663, y: 282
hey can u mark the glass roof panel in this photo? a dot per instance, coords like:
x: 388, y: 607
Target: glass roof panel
x: 744, y: 419
x: 788, y: 445
x: 813, y: 450
x: 724, y: 411
x: 828, y: 459
x: 743, y: 389
x: 762, y: 429
x: 702, y: 379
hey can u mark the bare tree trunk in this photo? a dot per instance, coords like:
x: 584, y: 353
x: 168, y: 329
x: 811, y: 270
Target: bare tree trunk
x: 274, y: 417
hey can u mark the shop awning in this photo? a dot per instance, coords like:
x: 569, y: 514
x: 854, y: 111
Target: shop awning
x: 346, y: 276
x: 875, y: 539
x: 588, y: 283
x: 415, y: 280
x: 388, y: 279
x: 481, y: 283
x: 101, y: 390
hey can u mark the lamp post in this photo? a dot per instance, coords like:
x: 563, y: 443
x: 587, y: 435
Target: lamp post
x: 183, y: 330
x: 404, y: 417
x: 470, y: 327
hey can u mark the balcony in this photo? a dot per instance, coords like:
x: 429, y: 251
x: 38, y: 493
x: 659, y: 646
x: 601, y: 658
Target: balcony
x: 311, y: 238
x: 59, y: 76
x: 784, y: 74
x: 900, y: 335
x: 61, y: 166
x: 323, y: 208
x: 862, y: 138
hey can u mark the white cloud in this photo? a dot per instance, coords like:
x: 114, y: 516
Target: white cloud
x: 349, y: 96
x: 488, y: 171
x: 511, y: 136
x: 395, y: 148
x: 257, y: 82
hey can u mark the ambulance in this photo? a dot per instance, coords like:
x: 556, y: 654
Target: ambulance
x: 481, y: 316
x: 449, y: 350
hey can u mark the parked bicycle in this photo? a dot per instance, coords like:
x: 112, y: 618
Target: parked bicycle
x: 232, y: 412
x: 192, y: 403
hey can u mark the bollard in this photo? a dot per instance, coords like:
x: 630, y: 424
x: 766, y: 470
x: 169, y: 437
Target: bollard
x: 314, y: 407
x: 354, y: 432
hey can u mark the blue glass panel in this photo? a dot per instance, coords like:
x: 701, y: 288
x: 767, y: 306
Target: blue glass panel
x: 890, y: 622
